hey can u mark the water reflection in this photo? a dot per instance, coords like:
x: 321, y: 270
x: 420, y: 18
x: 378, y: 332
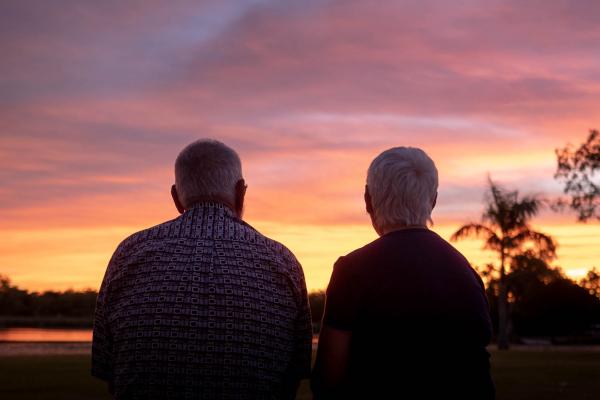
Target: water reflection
x: 45, y: 335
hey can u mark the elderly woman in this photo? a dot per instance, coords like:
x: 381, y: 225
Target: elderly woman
x: 406, y: 316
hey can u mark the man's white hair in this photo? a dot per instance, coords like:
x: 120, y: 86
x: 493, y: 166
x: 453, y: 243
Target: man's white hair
x: 403, y: 184
x: 207, y: 170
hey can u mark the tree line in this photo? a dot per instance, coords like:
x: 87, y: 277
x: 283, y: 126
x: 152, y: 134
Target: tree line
x: 19, y: 307
x: 542, y: 302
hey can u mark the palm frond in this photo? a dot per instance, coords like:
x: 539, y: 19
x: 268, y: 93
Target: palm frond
x: 473, y: 230
x: 523, y: 210
x: 507, y: 211
x: 544, y: 245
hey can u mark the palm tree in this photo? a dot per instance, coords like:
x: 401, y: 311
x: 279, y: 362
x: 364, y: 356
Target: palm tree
x: 505, y: 230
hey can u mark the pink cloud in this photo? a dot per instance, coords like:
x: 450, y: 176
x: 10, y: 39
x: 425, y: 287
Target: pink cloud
x: 100, y: 100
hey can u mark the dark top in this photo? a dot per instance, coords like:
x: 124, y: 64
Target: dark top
x: 419, y: 319
x: 202, y: 306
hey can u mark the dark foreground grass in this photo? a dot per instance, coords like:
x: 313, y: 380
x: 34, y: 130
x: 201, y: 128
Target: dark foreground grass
x: 547, y: 375
x: 543, y: 374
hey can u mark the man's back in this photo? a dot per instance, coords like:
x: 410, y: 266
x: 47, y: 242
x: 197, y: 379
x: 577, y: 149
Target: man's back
x: 202, y: 306
x: 418, y: 317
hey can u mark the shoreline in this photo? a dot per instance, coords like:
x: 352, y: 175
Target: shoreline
x: 11, y: 349
x: 45, y: 322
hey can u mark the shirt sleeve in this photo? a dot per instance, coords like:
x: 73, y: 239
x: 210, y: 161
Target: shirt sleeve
x: 342, y: 301
x: 300, y: 364
x: 102, y: 353
x: 304, y: 334
x: 303, y: 330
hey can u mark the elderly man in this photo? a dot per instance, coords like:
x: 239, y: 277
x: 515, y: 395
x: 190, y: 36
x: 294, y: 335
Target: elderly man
x: 203, y: 306
x: 405, y: 316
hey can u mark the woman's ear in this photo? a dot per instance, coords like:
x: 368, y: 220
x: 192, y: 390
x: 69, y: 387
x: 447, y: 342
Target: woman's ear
x: 368, y: 201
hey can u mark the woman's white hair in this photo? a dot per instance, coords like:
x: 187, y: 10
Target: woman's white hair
x: 207, y: 170
x: 402, y: 183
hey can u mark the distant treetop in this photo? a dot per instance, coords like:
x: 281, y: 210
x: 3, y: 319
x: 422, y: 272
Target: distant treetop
x: 577, y: 169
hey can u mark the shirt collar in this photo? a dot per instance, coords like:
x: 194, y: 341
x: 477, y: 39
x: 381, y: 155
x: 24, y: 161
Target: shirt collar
x: 212, y: 206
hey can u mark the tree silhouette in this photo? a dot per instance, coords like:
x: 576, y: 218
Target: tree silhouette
x: 591, y: 281
x: 505, y: 230
x: 547, y: 303
x: 576, y: 169
x: 47, y: 308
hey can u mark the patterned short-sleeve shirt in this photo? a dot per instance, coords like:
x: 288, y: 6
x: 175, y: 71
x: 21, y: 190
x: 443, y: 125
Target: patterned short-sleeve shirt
x: 202, y: 306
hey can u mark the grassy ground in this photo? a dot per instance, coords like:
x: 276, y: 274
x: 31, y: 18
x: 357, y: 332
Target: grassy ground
x: 547, y: 375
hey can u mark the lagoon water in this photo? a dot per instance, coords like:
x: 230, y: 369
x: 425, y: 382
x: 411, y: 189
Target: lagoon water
x: 45, y: 335
x: 44, y: 341
x: 48, y: 341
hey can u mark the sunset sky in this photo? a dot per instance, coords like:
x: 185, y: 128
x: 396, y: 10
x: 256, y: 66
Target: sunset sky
x: 98, y: 97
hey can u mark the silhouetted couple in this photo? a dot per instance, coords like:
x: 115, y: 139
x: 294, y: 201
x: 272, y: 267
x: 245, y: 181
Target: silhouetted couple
x: 205, y: 307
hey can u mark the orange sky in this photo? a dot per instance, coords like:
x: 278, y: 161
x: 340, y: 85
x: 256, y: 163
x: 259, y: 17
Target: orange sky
x: 97, y: 99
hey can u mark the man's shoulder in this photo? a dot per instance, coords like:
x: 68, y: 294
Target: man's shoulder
x: 277, y: 249
x: 154, y: 232
x: 175, y: 230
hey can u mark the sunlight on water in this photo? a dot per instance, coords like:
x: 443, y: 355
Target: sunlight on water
x: 45, y: 335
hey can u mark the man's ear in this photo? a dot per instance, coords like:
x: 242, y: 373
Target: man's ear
x: 434, y: 200
x: 176, y: 200
x: 240, y: 193
x: 368, y: 202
